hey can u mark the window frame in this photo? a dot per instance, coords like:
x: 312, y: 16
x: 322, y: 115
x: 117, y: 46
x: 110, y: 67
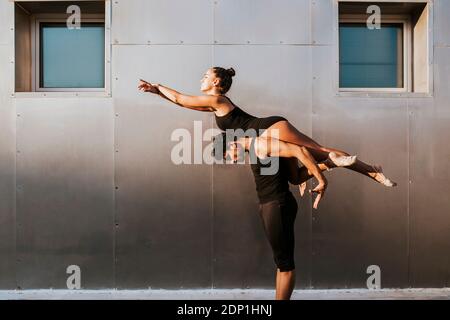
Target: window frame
x: 407, y: 51
x: 36, y: 20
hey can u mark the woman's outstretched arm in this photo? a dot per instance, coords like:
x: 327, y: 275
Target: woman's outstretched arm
x: 206, y: 103
x: 203, y: 102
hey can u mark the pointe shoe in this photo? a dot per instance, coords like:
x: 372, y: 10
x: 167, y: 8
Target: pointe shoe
x: 341, y: 161
x: 384, y: 181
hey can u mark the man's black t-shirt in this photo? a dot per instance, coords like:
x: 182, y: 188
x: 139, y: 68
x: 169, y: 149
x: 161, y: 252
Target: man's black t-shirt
x: 271, y: 176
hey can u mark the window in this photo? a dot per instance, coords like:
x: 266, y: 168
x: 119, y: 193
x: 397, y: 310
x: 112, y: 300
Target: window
x: 69, y: 58
x: 50, y: 56
x: 374, y: 58
x: 392, y: 58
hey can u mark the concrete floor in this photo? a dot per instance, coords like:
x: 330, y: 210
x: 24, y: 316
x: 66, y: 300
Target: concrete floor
x: 236, y: 294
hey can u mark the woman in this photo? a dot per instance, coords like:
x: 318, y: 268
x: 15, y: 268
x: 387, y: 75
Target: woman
x: 216, y: 82
x: 290, y: 154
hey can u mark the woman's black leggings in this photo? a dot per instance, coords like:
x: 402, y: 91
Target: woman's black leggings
x: 278, y: 217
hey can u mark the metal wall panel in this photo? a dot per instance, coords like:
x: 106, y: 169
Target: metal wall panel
x: 359, y: 217
x: 324, y: 15
x: 7, y: 171
x: 6, y: 22
x: 162, y: 21
x: 64, y: 191
x: 429, y: 201
x: 164, y: 211
x: 242, y: 254
x: 262, y: 21
x: 442, y: 22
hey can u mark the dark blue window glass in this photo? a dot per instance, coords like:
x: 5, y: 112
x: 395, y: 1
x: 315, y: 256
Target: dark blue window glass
x: 72, y: 58
x: 370, y: 58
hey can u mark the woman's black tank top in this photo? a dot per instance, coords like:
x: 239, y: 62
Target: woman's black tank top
x: 236, y: 119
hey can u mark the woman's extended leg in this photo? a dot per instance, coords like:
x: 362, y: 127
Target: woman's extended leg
x: 373, y: 172
x: 287, y: 132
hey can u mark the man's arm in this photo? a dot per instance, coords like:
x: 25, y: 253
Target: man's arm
x: 293, y: 170
x: 297, y: 175
x: 271, y: 147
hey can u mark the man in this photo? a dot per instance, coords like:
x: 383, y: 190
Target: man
x: 278, y: 207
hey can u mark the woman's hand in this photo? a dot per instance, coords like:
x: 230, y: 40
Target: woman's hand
x: 320, y: 190
x: 148, y: 87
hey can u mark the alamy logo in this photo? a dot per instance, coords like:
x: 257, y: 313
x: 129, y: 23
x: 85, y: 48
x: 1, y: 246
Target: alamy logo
x: 190, y: 150
x: 74, y: 20
x: 374, y: 280
x: 74, y: 280
x: 374, y: 21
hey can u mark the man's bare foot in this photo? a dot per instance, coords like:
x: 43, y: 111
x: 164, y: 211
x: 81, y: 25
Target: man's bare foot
x: 341, y: 161
x: 380, y: 177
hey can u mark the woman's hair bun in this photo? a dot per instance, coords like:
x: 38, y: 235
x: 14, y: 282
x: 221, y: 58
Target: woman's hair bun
x: 231, y: 72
